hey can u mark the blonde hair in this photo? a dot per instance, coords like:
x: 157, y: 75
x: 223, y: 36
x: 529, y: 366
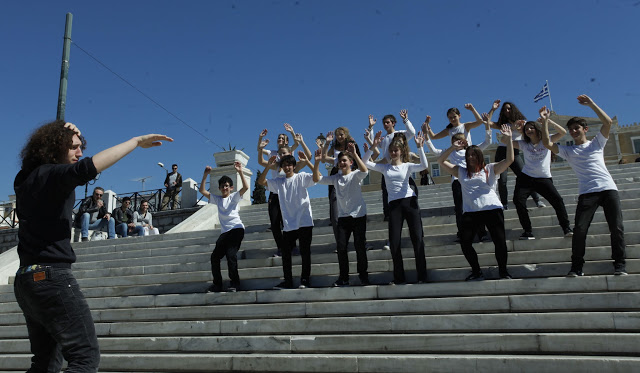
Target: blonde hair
x: 401, y: 144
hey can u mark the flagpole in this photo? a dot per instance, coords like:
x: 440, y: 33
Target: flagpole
x: 549, y: 90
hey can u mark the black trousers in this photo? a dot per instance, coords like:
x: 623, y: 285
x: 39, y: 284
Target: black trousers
x: 357, y: 226
x: 494, y: 220
x: 385, y: 194
x: 275, y: 217
x: 525, y: 185
x: 58, y: 320
x: 227, y: 245
x: 587, y: 205
x: 304, y: 235
x: 516, y: 167
x: 456, y: 190
x: 399, y: 210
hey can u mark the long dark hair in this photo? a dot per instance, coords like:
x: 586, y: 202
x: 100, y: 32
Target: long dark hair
x: 536, y: 126
x: 514, y: 116
x: 479, y: 156
x: 48, y: 144
x: 452, y: 110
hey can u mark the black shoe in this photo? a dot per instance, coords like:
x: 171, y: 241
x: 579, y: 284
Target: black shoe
x: 397, y: 283
x: 619, y: 269
x: 304, y: 283
x: 283, y: 285
x: 339, y: 283
x: 457, y: 239
x: 568, y: 232
x: 85, y: 239
x: 504, y: 275
x: 574, y: 272
x: 233, y: 287
x: 475, y: 276
x: 386, y: 218
x: 368, y: 246
x: 364, y: 281
x: 527, y: 236
x: 214, y: 289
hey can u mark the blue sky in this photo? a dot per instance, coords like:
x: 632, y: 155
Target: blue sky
x: 231, y: 68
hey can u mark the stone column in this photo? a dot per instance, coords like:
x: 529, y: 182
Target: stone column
x: 189, y: 193
x: 224, y: 166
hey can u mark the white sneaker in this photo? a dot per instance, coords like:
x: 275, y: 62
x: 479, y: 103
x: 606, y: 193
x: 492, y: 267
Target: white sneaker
x: 386, y: 246
x: 541, y: 204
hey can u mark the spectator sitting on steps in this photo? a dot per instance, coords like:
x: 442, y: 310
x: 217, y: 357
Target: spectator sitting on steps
x: 124, y: 220
x: 93, y: 215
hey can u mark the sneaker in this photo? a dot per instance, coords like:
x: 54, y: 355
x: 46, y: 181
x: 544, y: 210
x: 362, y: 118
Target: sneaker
x: 486, y: 238
x: 364, y: 281
x: 339, y: 283
x: 505, y: 207
x: 392, y: 283
x: 304, y: 283
x: 540, y: 204
x: 277, y: 254
x: 85, y: 239
x: 619, y: 270
x: 568, y: 232
x: 368, y: 246
x: 504, y: 275
x: 233, y: 287
x: 475, y: 276
x: 386, y: 245
x: 527, y: 236
x: 283, y: 285
x: 575, y: 273
x: 214, y: 289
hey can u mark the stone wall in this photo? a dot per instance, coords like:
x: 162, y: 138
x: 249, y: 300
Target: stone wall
x: 8, y: 239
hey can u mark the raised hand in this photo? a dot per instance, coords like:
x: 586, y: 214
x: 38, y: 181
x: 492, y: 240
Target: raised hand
x: 585, y: 100
x: 372, y: 121
x: 351, y: 148
x: 302, y: 157
x: 272, y: 160
x: 425, y: 125
x: 298, y: 137
x: 404, y: 114
x: 151, y: 140
x: 496, y: 105
x: 318, y: 155
x: 365, y: 146
x: 288, y: 127
x: 544, y: 113
x: 485, y: 117
x: 207, y: 169
x: 506, y: 130
x: 329, y: 136
x: 419, y: 139
x: 468, y: 106
x: 72, y: 127
x: 237, y: 166
x: 264, y: 143
x: 459, y: 144
x: 377, y: 140
x: 263, y: 133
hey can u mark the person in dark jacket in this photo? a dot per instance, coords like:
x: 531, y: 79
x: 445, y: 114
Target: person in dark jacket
x: 173, y: 183
x: 58, y: 318
x: 92, y: 214
x: 124, y: 220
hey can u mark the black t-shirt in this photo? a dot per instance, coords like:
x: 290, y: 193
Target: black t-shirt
x: 44, y: 205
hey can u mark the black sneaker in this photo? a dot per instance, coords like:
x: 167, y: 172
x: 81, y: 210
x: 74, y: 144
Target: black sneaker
x: 619, y: 269
x: 368, y: 246
x: 575, y: 273
x: 85, y: 239
x: 304, y: 283
x: 339, y: 283
x: 233, y: 287
x: 283, y: 285
x: 527, y: 236
x: 364, y: 281
x: 568, y: 232
x: 504, y: 275
x: 214, y: 289
x: 475, y: 276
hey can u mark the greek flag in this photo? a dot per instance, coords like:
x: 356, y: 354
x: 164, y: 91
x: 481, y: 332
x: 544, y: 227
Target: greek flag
x: 544, y: 93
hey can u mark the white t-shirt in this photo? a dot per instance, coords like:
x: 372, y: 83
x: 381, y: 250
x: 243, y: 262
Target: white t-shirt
x: 276, y: 172
x: 537, y: 159
x: 409, y: 133
x: 587, y: 161
x: 478, y: 191
x: 348, y: 193
x: 397, y: 177
x: 228, y: 211
x: 461, y: 129
x: 294, y: 200
x: 457, y: 157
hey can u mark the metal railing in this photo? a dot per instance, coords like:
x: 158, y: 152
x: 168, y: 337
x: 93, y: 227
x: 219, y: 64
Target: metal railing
x: 9, y: 219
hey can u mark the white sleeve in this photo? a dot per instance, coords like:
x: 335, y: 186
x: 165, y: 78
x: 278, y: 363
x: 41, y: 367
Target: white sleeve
x: 423, y: 161
x: 410, y: 130
x: 432, y: 147
x: 487, y: 140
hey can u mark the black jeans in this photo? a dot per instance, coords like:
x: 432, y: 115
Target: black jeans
x: 346, y: 226
x: 516, y: 167
x: 399, y: 210
x: 304, y: 235
x: 587, y: 205
x: 58, y: 320
x: 494, y: 220
x: 456, y: 189
x: 227, y: 245
x: 275, y: 217
x: 385, y: 194
x: 525, y: 185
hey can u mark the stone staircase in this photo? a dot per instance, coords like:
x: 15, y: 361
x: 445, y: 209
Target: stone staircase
x: 151, y: 313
